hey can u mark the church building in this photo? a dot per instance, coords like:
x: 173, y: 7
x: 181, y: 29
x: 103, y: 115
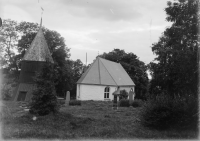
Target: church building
x: 102, y: 79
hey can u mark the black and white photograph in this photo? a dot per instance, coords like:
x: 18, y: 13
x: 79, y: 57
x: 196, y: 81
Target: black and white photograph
x: 99, y: 69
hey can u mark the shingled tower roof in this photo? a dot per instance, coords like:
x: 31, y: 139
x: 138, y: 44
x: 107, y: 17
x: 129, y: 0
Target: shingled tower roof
x: 38, y: 50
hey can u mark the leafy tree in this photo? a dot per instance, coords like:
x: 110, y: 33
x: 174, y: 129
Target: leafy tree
x: 176, y: 69
x: 44, y: 99
x: 134, y: 67
x: 8, y: 44
x: 77, y: 69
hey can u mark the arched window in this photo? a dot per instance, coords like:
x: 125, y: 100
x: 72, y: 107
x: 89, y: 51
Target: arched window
x: 106, y: 92
x: 131, y: 90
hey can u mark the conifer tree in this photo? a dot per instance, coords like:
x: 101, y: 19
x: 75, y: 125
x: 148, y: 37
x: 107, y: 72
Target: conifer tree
x: 44, y: 99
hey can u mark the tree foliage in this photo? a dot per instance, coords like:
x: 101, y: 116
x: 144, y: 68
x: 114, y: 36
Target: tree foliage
x: 44, y: 99
x: 176, y: 69
x: 76, y: 70
x: 8, y: 43
x: 135, y: 68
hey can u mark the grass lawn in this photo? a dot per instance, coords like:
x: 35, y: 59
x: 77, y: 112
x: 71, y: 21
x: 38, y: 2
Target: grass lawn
x: 93, y: 119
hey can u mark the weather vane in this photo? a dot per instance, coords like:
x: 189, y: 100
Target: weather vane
x: 41, y: 8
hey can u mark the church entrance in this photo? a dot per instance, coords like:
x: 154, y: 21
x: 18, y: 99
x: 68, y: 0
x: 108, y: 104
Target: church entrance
x: 21, y: 96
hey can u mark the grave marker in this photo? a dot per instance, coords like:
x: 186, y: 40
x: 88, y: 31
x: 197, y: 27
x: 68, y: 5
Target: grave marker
x: 116, y: 99
x: 67, y: 99
x: 131, y: 97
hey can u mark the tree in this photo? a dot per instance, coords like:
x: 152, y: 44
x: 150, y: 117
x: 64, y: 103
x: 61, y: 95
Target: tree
x: 9, y: 37
x: 44, y: 99
x: 135, y: 68
x: 72, y: 72
x: 176, y: 69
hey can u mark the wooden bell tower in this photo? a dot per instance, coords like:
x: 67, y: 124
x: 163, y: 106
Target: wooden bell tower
x: 33, y: 61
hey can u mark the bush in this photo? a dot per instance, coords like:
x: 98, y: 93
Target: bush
x: 165, y: 112
x: 124, y: 103
x: 123, y: 94
x: 44, y: 100
x: 6, y: 92
x: 75, y: 102
x: 137, y: 103
x: 61, y: 101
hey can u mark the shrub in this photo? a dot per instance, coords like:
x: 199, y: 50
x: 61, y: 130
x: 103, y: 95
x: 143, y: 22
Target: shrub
x: 165, y: 112
x: 137, y: 103
x: 123, y: 94
x: 44, y: 100
x: 6, y: 92
x: 75, y: 102
x: 61, y: 101
x: 124, y: 103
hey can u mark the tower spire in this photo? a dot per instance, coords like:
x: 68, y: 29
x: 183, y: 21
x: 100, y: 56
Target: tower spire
x: 41, y: 22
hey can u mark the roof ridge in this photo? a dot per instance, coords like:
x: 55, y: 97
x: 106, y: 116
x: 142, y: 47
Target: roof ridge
x: 84, y: 74
x: 109, y: 73
x: 108, y: 60
x: 99, y: 71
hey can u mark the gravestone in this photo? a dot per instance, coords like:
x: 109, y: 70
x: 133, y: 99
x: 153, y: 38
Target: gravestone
x: 131, y: 97
x: 67, y: 99
x: 115, y: 102
x: 116, y: 98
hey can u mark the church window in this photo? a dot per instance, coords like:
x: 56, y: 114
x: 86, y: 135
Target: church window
x: 106, y: 92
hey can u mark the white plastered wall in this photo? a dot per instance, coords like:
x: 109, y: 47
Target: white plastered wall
x: 96, y: 92
x: 93, y: 92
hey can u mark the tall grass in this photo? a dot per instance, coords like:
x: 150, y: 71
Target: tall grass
x: 163, y: 112
x: 75, y: 102
x: 135, y: 103
x: 92, y: 120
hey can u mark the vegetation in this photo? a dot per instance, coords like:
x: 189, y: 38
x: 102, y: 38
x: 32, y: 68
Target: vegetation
x: 135, y: 103
x: 173, y: 99
x: 75, y: 102
x: 163, y: 112
x: 124, y: 103
x: 123, y: 94
x: 44, y: 100
x: 6, y: 91
x: 175, y: 70
x: 91, y: 120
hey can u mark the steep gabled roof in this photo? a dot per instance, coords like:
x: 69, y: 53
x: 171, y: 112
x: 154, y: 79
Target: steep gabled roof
x: 104, y: 72
x: 38, y: 50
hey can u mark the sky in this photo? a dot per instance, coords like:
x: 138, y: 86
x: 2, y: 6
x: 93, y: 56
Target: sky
x: 96, y: 26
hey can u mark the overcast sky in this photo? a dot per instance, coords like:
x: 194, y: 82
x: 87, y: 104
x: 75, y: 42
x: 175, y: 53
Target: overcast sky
x: 94, y: 26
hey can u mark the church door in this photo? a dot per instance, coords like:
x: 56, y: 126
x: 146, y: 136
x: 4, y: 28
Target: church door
x: 21, y: 96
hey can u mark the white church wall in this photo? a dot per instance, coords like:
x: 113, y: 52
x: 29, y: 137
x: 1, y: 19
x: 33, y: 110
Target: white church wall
x: 93, y: 92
